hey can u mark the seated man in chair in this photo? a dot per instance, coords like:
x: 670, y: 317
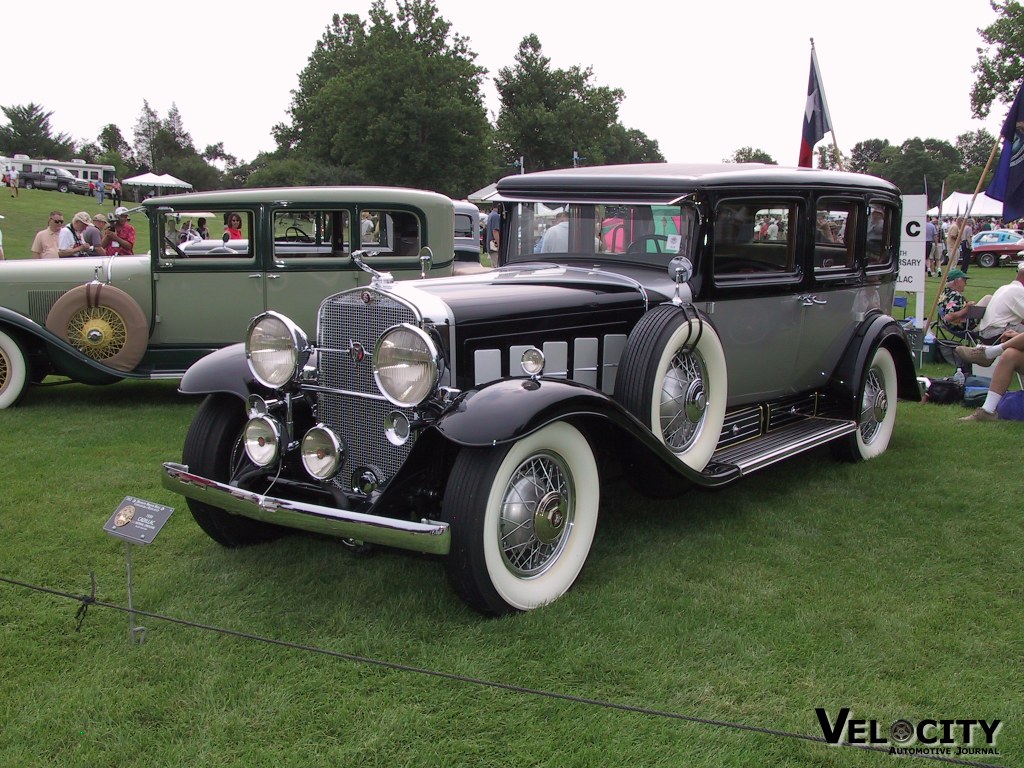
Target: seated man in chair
x: 953, y: 305
x: 1009, y: 357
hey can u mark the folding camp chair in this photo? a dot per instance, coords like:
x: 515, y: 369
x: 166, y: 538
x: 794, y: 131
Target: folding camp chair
x: 949, y: 337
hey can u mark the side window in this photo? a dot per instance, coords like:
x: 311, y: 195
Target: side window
x: 306, y: 234
x: 755, y: 239
x: 463, y: 225
x: 196, y: 234
x: 878, y: 246
x: 835, y: 237
x: 389, y: 233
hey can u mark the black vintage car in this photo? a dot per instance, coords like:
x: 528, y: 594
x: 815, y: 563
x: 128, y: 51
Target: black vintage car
x: 692, y: 323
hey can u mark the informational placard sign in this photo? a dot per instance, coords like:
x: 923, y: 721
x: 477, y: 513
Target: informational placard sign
x: 137, y: 520
x: 912, y: 249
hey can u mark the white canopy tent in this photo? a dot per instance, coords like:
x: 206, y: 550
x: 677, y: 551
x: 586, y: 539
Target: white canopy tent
x: 958, y: 202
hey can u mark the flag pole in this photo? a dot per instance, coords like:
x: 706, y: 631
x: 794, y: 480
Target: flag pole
x: 960, y: 233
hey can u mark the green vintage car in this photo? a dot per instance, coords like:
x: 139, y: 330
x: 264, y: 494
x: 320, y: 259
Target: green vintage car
x: 215, y: 260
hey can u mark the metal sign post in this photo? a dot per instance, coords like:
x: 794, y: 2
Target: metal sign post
x: 137, y: 521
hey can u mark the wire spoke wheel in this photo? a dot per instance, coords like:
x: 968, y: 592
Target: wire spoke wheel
x: 873, y: 406
x: 683, y: 400
x: 537, y: 513
x: 98, y: 332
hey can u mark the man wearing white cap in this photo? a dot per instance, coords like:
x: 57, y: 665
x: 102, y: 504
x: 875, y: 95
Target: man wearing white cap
x: 120, y: 236
x: 94, y: 234
x: 70, y: 242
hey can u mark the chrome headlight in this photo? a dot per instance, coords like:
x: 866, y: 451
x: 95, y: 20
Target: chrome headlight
x: 262, y: 439
x: 321, y: 452
x: 276, y: 349
x: 406, y: 365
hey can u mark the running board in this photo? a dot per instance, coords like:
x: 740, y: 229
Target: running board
x: 782, y: 443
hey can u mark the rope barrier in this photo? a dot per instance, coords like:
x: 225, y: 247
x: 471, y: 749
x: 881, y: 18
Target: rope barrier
x: 90, y: 600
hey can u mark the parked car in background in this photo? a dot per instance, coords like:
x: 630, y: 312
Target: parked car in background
x: 54, y: 178
x: 996, y: 246
x: 100, y: 319
x: 472, y: 417
x: 467, y: 238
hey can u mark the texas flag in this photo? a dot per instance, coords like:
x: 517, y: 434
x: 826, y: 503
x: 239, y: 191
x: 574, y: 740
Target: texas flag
x: 816, y: 120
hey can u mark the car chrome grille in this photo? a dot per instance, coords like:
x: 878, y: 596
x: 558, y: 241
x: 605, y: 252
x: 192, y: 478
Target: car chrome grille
x: 348, y: 327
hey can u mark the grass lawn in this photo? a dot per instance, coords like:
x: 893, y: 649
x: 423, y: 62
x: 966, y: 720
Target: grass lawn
x: 893, y: 587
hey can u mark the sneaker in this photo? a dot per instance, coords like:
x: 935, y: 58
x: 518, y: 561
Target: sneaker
x: 980, y: 414
x: 975, y: 355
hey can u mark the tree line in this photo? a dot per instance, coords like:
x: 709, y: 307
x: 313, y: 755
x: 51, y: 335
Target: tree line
x: 396, y: 99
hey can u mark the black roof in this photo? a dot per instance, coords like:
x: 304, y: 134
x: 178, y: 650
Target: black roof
x: 667, y: 181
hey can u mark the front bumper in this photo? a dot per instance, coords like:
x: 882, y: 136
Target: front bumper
x: 426, y: 536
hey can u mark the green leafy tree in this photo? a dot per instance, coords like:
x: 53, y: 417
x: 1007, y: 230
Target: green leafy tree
x: 750, y: 155
x: 392, y: 100
x: 144, y: 133
x: 29, y: 132
x: 975, y: 149
x: 866, y: 152
x: 908, y: 165
x: 548, y: 114
x: 830, y: 158
x: 1000, y: 66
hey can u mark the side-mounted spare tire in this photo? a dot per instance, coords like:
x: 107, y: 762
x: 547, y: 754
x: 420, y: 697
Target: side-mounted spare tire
x: 103, y: 322
x: 672, y: 376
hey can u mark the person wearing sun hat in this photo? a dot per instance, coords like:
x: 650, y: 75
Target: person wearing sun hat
x: 953, y: 305
x: 93, y: 234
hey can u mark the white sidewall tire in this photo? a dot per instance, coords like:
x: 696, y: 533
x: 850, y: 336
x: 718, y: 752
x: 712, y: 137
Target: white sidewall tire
x: 527, y: 593
x: 883, y: 366
x: 13, y: 371
x: 709, y: 348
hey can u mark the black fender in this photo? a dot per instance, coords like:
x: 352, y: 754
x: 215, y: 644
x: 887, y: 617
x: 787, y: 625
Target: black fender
x: 224, y: 371
x: 509, y: 409
x: 64, y: 358
x: 877, y: 330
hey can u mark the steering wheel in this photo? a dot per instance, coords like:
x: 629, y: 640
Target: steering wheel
x: 639, y: 245
x: 170, y: 241
x: 221, y: 250
x: 300, y: 236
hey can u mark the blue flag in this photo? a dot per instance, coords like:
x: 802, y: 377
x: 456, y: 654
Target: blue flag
x: 1008, y: 182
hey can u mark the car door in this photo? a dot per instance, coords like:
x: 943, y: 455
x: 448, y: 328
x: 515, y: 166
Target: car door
x: 756, y: 278
x: 847, y: 273
x: 206, y: 289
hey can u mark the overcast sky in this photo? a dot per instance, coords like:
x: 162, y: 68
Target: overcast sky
x: 703, y: 79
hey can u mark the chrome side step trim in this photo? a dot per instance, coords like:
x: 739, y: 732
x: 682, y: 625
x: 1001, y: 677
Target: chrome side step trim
x: 782, y: 443
x: 427, y: 536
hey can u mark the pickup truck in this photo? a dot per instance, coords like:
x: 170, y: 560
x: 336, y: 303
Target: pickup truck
x: 54, y: 178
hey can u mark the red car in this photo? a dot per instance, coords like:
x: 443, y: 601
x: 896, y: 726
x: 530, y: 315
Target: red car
x: 996, y: 246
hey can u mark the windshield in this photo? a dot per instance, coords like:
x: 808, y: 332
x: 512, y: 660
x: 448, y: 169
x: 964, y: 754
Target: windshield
x: 648, y: 234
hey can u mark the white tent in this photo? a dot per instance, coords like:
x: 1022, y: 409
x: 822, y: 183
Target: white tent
x: 153, y: 180
x: 958, y: 202
x: 166, y: 180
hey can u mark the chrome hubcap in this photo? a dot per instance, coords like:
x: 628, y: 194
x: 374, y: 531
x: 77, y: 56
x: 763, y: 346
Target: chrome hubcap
x: 684, y: 401
x: 536, y: 515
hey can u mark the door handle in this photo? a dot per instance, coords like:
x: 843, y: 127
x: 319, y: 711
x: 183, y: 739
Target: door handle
x: 273, y: 277
x: 809, y: 300
x: 255, y: 276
